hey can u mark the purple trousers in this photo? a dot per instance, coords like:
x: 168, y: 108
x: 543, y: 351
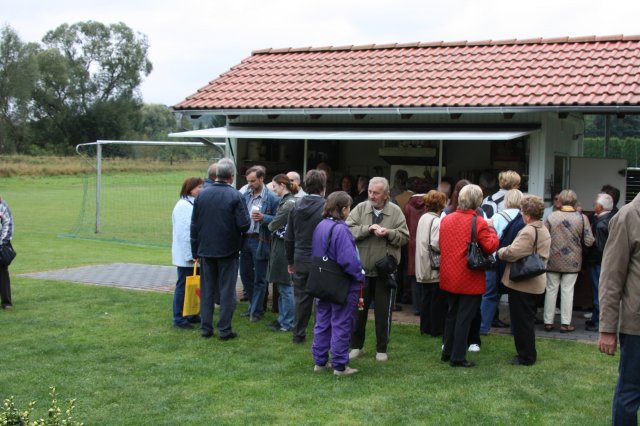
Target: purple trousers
x: 333, y: 330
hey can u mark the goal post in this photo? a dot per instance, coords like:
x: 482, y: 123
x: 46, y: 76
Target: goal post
x: 136, y: 186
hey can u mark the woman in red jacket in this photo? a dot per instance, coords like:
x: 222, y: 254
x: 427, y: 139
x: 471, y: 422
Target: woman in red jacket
x: 464, y: 286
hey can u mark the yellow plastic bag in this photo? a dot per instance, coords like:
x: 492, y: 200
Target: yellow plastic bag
x: 191, y: 305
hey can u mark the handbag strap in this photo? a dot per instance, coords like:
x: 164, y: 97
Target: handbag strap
x: 535, y: 241
x: 195, y: 266
x: 473, y: 229
x: 326, y: 251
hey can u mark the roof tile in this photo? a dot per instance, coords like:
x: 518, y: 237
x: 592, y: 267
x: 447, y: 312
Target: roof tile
x: 588, y: 70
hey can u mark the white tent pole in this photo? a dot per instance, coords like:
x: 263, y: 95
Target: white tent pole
x: 304, y: 163
x: 98, y: 183
x: 440, y: 162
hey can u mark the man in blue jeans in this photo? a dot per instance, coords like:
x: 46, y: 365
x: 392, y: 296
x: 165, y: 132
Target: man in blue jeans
x: 219, y: 218
x: 619, y: 300
x: 261, y: 206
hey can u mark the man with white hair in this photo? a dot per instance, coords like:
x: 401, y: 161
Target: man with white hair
x: 295, y: 177
x: 600, y: 229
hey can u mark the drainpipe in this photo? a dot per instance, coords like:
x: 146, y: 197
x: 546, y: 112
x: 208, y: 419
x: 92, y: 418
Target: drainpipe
x: 607, y: 135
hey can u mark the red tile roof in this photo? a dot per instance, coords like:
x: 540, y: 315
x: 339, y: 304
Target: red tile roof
x: 535, y: 72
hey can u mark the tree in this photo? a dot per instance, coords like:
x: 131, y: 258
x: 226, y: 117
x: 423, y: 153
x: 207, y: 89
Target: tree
x: 18, y: 73
x: 89, y: 79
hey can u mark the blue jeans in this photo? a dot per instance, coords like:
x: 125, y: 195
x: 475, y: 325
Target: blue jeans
x: 490, y: 301
x: 218, y: 282
x: 626, y: 398
x: 253, y: 273
x: 594, y: 273
x: 285, y: 306
x: 178, y: 296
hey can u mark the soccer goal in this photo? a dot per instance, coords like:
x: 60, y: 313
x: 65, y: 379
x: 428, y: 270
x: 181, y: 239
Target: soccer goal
x: 130, y: 195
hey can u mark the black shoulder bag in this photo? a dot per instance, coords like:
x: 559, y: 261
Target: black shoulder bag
x: 476, y: 258
x: 327, y: 281
x: 528, y: 266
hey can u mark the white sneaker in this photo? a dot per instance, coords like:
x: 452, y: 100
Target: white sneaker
x: 347, y: 372
x: 474, y: 348
x: 381, y: 356
x: 355, y: 353
x: 588, y: 315
x: 319, y: 368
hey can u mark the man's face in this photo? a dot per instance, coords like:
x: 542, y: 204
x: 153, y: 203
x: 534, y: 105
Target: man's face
x: 597, y: 208
x: 254, y: 182
x: 377, y: 196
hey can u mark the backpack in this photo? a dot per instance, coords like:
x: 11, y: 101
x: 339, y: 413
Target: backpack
x: 490, y: 206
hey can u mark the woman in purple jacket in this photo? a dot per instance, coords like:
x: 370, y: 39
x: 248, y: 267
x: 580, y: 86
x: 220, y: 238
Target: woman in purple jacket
x: 334, y: 322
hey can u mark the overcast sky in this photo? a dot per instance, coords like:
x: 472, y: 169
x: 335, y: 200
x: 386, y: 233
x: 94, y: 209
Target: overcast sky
x: 193, y: 42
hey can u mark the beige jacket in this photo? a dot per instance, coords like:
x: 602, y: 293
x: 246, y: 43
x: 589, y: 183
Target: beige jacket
x: 522, y: 246
x: 620, y: 276
x: 374, y: 248
x: 424, y: 273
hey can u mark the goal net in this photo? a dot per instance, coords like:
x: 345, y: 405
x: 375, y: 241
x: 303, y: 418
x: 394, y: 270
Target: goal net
x: 130, y: 195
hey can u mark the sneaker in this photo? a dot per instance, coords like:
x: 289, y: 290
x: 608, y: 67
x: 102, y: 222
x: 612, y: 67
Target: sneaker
x: 298, y: 339
x: 474, y: 347
x: 588, y: 315
x: 183, y: 325
x: 319, y: 368
x: 381, y: 356
x: 355, y: 353
x: 346, y: 372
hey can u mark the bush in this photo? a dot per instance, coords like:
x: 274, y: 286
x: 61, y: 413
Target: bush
x: 11, y: 415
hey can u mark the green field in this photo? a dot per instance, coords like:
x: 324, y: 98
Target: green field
x: 116, y: 353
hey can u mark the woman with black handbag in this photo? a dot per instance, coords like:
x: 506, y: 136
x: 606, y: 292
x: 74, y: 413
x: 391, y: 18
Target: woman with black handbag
x: 464, y: 285
x: 335, y: 322
x: 533, y: 239
x: 6, y: 234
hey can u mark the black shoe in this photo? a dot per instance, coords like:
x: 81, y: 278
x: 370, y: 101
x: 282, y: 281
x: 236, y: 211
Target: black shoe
x: 207, y: 334
x: 255, y: 318
x: 592, y: 328
x: 183, y: 325
x: 229, y: 336
x: 193, y: 320
x: 499, y: 324
x: 274, y: 326
x: 590, y: 323
x: 298, y: 339
x: 465, y: 364
x: 244, y: 299
x: 517, y: 361
x: 445, y: 358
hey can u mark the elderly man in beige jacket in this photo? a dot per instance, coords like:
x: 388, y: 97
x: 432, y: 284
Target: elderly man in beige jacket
x: 619, y: 308
x: 379, y: 227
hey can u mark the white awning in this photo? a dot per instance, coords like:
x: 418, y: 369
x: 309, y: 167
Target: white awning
x: 237, y: 132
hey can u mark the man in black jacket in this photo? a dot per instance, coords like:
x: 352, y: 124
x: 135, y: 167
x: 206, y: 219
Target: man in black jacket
x: 304, y: 217
x: 602, y: 214
x: 219, y: 218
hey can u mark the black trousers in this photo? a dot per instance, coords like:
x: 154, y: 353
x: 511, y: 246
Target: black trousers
x: 303, y: 303
x: 462, y: 310
x: 378, y: 290
x: 433, y: 309
x: 522, y: 310
x: 5, y: 286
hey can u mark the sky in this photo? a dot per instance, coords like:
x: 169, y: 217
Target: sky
x: 195, y: 41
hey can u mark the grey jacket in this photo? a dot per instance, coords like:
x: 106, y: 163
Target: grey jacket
x: 374, y: 248
x: 619, y: 291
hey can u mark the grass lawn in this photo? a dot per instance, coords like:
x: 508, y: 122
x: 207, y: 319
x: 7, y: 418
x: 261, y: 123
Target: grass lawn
x: 115, y: 351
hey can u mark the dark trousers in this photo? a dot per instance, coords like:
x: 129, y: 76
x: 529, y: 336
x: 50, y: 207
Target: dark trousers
x: 5, y: 286
x: 522, y: 311
x: 218, y: 282
x: 626, y: 398
x: 462, y: 309
x: 474, y: 328
x: 433, y: 309
x: 378, y: 290
x: 302, y: 301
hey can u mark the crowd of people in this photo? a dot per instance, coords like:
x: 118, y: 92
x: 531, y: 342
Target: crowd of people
x: 422, y: 231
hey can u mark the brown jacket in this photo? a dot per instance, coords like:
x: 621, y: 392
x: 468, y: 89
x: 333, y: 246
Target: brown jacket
x: 620, y: 277
x: 522, y: 246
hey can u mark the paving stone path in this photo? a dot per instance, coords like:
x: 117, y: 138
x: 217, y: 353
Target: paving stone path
x: 163, y: 278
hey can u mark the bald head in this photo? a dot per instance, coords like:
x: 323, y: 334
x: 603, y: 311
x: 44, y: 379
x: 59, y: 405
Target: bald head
x: 294, y: 177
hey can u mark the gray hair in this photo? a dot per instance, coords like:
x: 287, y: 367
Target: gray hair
x: 568, y: 197
x: 470, y: 197
x: 382, y: 180
x: 512, y: 199
x: 212, y: 172
x: 606, y: 201
x: 226, y: 169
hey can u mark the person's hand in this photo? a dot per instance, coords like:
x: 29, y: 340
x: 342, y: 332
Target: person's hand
x: 373, y: 228
x: 608, y: 343
x: 257, y: 216
x: 291, y: 269
x: 382, y: 232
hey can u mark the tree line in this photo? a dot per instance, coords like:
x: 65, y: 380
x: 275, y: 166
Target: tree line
x: 80, y: 84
